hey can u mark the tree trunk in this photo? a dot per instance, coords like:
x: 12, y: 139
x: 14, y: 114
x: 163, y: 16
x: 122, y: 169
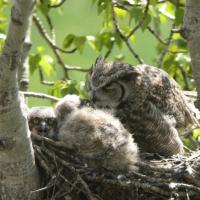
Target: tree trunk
x: 191, y: 31
x: 18, y: 173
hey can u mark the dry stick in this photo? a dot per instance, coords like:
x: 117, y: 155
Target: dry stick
x: 57, y: 144
x: 141, y: 22
x: 160, y: 61
x: 136, y: 184
x: 67, y: 165
x: 123, y: 37
x: 41, y: 161
x: 40, y: 96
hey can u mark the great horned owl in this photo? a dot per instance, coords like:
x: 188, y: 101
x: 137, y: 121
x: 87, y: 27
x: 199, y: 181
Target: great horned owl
x: 42, y: 121
x: 101, y: 139
x: 68, y: 104
x: 148, y: 102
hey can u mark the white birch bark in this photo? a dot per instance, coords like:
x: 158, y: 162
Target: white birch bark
x: 191, y: 31
x: 18, y: 173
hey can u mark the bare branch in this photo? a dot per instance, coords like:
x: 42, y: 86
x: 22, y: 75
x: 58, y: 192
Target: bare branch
x: 74, y: 68
x: 40, y: 96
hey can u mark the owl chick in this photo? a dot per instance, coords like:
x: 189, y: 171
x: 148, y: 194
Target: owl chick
x: 68, y: 104
x: 101, y: 140
x: 42, y: 121
x: 148, y: 102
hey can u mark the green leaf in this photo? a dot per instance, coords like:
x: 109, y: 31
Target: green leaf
x: 68, y: 40
x: 146, y: 22
x: 91, y: 41
x: 79, y: 43
x: 179, y: 16
x: 47, y: 64
x: 34, y: 62
x: 135, y: 13
x: 196, y: 133
x: 121, y: 13
x: 43, y: 6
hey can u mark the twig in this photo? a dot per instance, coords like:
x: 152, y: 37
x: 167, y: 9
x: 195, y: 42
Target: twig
x: 40, y: 96
x: 53, y: 35
x: 49, y: 83
x: 156, y: 35
x: 123, y: 37
x: 74, y: 68
x: 141, y: 22
x: 43, y: 32
x: 160, y: 61
x: 185, y: 78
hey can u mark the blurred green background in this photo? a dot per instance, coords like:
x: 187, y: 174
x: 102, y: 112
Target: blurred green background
x: 81, y: 18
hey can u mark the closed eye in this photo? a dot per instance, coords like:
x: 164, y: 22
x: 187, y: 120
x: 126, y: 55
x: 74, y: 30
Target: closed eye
x: 109, y: 87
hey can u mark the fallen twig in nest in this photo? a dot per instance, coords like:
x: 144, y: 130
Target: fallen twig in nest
x: 66, y: 177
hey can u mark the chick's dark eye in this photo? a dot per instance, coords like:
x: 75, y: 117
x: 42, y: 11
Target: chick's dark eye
x: 36, y: 121
x: 50, y: 121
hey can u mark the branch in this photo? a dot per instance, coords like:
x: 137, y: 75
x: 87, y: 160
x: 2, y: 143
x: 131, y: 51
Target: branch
x: 156, y: 35
x: 185, y: 77
x: 44, y: 33
x: 42, y: 79
x: 74, y: 68
x: 52, y: 30
x: 141, y: 21
x: 40, y: 96
x: 123, y: 37
x: 54, y: 48
x: 167, y: 44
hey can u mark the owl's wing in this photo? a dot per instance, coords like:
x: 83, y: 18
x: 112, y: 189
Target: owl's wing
x: 166, y: 94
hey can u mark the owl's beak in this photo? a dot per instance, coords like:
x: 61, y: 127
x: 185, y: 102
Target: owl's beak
x: 43, y: 127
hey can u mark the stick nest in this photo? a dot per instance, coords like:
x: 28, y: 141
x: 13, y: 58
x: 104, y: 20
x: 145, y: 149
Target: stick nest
x: 65, y: 177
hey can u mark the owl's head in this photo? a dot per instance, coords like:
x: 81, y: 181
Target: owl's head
x: 42, y: 121
x: 68, y: 104
x: 109, y: 82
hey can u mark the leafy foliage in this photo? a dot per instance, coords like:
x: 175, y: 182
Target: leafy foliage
x: 123, y: 23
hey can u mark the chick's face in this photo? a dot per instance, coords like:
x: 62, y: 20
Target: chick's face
x: 42, y: 126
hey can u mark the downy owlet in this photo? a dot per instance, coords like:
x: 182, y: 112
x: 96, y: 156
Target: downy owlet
x: 42, y: 121
x: 100, y: 138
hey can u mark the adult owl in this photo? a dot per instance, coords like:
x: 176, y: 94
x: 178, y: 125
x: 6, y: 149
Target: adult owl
x: 100, y: 139
x: 148, y: 102
x: 42, y: 121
